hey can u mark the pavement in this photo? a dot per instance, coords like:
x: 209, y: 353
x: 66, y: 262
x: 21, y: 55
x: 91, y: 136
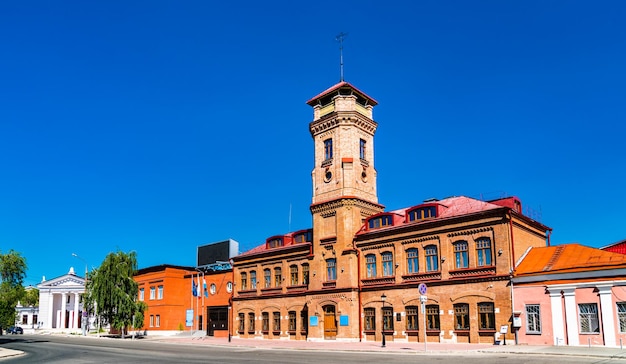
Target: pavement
x: 599, y: 352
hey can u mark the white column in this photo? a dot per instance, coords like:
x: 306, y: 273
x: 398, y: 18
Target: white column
x: 608, y: 319
x: 50, y: 310
x: 556, y: 304
x: 571, y: 316
x: 76, y: 313
x: 63, y: 309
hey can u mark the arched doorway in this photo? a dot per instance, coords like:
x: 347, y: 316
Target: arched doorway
x: 330, y: 323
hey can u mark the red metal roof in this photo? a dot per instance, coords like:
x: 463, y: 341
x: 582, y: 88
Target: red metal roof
x: 313, y: 100
x: 568, y: 258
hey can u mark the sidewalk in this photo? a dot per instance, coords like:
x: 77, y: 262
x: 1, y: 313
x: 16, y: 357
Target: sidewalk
x: 400, y: 347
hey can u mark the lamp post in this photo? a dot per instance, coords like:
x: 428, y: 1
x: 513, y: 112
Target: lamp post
x: 84, y: 317
x: 383, y: 298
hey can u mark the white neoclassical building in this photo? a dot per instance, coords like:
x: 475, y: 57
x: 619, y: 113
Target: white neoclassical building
x: 60, y: 304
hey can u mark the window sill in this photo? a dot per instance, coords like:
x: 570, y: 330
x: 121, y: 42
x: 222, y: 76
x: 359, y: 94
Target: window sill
x: 369, y: 332
x: 464, y: 332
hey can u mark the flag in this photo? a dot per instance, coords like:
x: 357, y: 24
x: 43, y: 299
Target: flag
x: 194, y: 288
x: 206, y: 291
x: 198, y: 289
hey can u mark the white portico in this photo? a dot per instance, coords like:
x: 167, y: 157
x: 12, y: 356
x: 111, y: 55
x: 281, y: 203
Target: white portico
x: 60, y: 305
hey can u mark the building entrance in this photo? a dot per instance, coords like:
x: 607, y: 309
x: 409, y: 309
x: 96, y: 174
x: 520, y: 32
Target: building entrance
x: 330, y: 323
x: 218, y: 320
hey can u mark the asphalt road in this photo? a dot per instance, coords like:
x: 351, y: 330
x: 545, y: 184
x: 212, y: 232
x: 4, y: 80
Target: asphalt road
x: 72, y: 350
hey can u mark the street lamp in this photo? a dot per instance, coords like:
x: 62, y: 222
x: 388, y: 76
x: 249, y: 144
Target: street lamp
x: 383, y: 298
x: 84, y: 314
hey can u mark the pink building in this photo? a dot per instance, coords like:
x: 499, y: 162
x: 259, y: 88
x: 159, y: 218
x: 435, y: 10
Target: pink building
x: 570, y: 295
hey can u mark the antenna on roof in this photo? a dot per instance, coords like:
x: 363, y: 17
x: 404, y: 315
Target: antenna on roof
x: 339, y: 38
x: 289, y: 218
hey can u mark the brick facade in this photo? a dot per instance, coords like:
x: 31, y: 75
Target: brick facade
x: 356, y: 253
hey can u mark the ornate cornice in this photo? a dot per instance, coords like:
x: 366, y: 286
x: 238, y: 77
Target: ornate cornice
x: 471, y: 232
x: 335, y: 119
x: 329, y: 208
x: 420, y: 240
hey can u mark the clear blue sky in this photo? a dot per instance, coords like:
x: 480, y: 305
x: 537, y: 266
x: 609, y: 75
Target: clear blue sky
x: 160, y: 126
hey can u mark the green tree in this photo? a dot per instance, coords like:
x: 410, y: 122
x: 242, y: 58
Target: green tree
x: 12, y: 273
x: 31, y: 297
x: 112, y: 291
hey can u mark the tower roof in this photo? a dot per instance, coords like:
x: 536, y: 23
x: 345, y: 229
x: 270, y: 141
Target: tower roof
x: 342, y: 86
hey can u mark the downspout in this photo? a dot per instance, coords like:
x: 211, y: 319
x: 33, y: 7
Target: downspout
x: 358, y: 275
x: 548, y: 234
x: 512, y: 271
x: 512, y: 242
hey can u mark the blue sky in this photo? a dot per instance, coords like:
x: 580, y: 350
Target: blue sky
x: 160, y: 126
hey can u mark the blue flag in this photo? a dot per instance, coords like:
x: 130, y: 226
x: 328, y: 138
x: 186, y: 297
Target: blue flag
x: 194, y: 288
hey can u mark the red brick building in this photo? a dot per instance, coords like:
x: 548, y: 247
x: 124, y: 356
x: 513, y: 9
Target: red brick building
x: 168, y: 292
x: 355, y: 274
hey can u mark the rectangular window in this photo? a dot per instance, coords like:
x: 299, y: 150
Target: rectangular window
x: 242, y: 322
x: 265, y: 321
x: 275, y: 243
x: 276, y: 322
x: 621, y: 315
x: 157, y: 320
x: 461, y: 316
x: 331, y: 270
x: 588, y: 317
x: 151, y: 320
x: 412, y: 265
x: 293, y: 273
x: 387, y: 259
x: 278, y: 277
x: 328, y: 149
x: 160, y: 293
x: 251, y: 321
x: 152, y: 292
x: 432, y: 317
x: 533, y: 319
x: 460, y: 254
x: 305, y: 274
x: 362, y: 154
x: 387, y: 318
x: 267, y: 276
x: 141, y: 294
x: 486, y: 316
x: 35, y: 319
x: 292, y: 321
x: 370, y: 319
x: 370, y: 262
x: 244, y: 281
x: 411, y: 318
x: 432, y: 259
x: 253, y: 279
x: 483, y: 251
x: 24, y: 319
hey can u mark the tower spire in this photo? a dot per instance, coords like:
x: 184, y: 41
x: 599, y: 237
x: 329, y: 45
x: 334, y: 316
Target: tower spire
x: 340, y: 38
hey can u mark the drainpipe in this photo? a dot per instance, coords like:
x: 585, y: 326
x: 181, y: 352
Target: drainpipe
x: 512, y: 242
x: 548, y: 234
x: 358, y: 275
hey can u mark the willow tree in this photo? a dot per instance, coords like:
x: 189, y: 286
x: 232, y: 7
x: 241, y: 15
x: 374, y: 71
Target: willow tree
x: 112, y: 291
x: 12, y: 273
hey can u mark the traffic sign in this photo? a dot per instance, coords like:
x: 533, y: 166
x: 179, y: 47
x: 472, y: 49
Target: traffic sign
x: 422, y: 288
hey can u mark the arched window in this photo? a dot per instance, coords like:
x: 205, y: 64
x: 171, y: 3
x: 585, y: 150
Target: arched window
x: 370, y: 262
x: 432, y: 258
x: 460, y: 254
x: 253, y: 279
x: 387, y: 259
x: 328, y: 149
x: 483, y: 251
x: 244, y: 281
x: 412, y: 265
x: 278, y: 277
x: 267, y: 276
x: 293, y: 274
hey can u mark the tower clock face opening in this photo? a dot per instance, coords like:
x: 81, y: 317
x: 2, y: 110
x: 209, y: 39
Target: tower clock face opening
x: 328, y: 176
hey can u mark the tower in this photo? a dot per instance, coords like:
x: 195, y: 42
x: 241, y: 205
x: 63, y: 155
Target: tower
x: 344, y: 177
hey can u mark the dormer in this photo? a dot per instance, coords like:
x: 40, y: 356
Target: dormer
x: 381, y: 220
x: 422, y: 212
x: 275, y: 242
x: 513, y: 203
